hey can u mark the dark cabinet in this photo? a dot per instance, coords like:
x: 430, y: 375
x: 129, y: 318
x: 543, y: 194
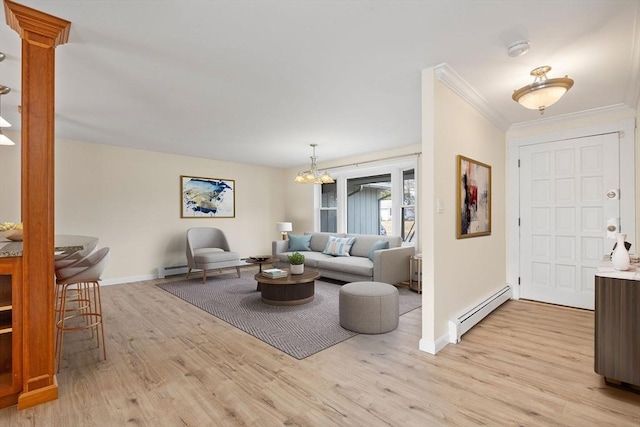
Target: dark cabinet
x: 617, y: 330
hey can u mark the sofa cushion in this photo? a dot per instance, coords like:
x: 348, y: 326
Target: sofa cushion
x: 364, y: 242
x: 338, y: 246
x: 377, y: 246
x: 361, y: 266
x: 299, y: 243
x: 310, y: 258
x: 319, y: 240
x: 212, y: 255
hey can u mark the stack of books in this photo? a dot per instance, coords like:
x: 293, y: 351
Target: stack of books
x: 275, y: 273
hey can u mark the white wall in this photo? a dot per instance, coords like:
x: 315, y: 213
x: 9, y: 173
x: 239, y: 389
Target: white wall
x: 459, y: 272
x: 130, y: 200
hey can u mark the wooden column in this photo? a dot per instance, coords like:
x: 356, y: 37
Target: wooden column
x: 40, y: 34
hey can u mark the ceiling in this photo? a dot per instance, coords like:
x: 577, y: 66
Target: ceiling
x: 258, y: 81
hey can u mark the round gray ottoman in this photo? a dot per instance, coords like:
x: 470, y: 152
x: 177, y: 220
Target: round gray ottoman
x: 369, y: 307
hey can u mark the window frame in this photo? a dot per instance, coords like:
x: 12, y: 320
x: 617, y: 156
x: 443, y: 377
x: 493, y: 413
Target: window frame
x: 395, y: 168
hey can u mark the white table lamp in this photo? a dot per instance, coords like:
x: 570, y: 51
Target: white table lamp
x: 283, y: 227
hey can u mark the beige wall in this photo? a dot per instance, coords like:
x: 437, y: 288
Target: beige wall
x: 10, y: 179
x: 300, y: 197
x: 130, y: 200
x: 464, y: 271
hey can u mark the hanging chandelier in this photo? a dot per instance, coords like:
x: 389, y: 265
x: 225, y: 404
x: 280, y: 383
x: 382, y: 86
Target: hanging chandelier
x: 312, y: 176
x: 543, y: 92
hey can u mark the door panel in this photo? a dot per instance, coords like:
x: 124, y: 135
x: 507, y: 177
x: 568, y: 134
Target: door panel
x: 563, y: 215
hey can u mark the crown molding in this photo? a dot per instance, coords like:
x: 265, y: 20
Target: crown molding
x: 457, y: 84
x: 580, y: 115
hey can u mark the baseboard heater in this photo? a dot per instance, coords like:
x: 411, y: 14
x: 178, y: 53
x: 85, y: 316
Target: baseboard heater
x: 461, y: 324
x: 171, y: 271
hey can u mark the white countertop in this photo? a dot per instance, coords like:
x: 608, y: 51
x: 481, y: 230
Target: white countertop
x: 605, y: 269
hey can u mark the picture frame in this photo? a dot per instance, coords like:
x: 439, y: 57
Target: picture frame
x: 207, y: 197
x: 473, y: 195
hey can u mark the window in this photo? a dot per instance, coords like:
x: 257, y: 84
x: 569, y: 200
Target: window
x: 329, y: 208
x: 369, y: 205
x: 364, y: 201
x: 408, y: 231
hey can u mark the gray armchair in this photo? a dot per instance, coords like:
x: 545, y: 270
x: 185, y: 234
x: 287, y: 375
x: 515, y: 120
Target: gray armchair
x: 207, y: 249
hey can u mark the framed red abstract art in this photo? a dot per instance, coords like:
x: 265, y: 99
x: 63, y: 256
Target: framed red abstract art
x: 473, y: 216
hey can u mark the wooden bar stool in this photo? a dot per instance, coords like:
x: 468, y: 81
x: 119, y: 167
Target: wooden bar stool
x: 79, y: 299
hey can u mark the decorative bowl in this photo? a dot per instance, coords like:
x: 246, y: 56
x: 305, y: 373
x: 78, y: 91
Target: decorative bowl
x: 14, y: 235
x: 260, y: 257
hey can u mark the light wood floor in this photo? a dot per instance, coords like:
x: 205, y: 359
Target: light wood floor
x: 171, y: 364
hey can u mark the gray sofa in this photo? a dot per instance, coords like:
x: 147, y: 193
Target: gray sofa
x: 388, y: 265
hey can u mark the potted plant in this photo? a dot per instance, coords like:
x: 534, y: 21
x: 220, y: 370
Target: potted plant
x: 296, y: 260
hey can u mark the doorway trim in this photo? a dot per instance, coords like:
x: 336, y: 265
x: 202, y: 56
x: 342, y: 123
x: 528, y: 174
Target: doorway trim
x: 626, y: 130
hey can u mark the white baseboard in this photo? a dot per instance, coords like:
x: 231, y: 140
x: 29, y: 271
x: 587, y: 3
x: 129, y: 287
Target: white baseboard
x: 433, y: 347
x: 466, y: 320
x: 121, y: 280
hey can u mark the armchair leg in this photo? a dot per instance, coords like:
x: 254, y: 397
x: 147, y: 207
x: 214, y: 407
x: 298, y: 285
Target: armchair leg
x: 188, y: 272
x: 238, y: 271
x: 204, y: 277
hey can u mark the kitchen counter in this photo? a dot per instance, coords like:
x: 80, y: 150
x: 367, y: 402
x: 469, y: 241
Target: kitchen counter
x: 617, y: 323
x: 605, y: 269
x: 63, y: 243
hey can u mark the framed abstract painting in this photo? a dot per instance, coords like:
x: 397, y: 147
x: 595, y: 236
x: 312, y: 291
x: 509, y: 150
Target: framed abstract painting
x: 473, y: 216
x: 207, y: 197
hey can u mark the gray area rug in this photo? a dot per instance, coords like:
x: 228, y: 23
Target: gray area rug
x: 299, y: 331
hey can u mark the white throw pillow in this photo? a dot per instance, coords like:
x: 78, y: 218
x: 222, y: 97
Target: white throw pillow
x: 339, y: 246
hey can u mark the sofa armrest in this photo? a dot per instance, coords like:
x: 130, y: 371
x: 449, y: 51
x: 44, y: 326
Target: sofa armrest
x: 392, y: 265
x: 278, y: 247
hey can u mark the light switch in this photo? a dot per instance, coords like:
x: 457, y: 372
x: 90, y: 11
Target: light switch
x: 439, y: 206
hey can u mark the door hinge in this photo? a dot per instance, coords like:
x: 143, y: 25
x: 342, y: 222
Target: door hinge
x: 518, y: 162
x: 518, y: 222
x: 518, y: 280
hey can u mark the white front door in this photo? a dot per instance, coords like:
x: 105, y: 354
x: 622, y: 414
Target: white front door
x: 564, y: 209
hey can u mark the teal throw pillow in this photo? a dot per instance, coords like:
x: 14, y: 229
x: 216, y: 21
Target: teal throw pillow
x: 339, y: 246
x: 299, y: 243
x: 377, y: 246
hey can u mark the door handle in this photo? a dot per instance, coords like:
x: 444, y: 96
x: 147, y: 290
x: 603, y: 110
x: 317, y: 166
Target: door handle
x: 613, y: 227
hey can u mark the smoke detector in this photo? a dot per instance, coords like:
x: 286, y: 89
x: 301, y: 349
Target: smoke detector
x: 518, y: 48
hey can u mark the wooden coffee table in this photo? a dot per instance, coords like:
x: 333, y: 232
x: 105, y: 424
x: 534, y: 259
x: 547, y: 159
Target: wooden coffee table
x: 295, y: 289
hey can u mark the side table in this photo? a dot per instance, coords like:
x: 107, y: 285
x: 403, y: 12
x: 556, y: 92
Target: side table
x: 415, y: 273
x: 260, y: 261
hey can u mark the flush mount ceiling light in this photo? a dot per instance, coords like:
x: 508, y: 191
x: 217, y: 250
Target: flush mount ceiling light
x: 312, y: 176
x: 543, y: 92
